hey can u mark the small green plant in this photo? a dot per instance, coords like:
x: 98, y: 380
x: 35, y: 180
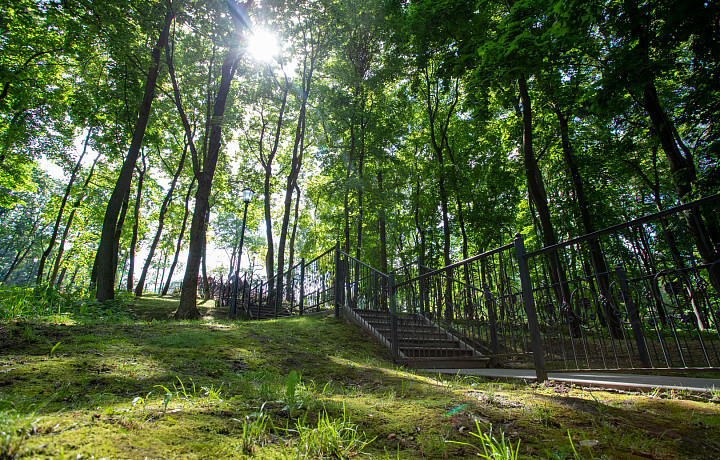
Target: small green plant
x: 336, y: 438
x: 254, y: 432
x: 493, y: 448
x: 52, y: 350
x: 714, y: 395
x: 291, y: 384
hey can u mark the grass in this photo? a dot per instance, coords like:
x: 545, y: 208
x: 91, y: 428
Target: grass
x: 134, y: 384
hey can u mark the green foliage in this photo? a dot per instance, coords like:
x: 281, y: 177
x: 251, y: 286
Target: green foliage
x: 31, y: 303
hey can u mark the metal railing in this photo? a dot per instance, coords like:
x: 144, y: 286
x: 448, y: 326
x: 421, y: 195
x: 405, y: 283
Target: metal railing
x: 636, y: 295
x: 643, y: 294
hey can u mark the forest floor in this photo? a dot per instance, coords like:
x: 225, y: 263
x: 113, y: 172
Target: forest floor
x: 136, y: 384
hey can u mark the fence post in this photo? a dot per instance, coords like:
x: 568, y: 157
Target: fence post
x: 492, y: 318
x: 302, y: 285
x: 634, y: 316
x: 422, y: 287
x: 393, y: 317
x: 338, y: 280
x: 243, y: 294
x: 529, y: 303
x: 259, y: 302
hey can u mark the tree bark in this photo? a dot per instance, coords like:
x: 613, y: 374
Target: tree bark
x: 136, y: 224
x: 600, y: 268
x: 68, y: 224
x: 536, y: 190
x: 297, y: 157
x: 106, y: 259
x: 188, y: 305
x: 291, y: 261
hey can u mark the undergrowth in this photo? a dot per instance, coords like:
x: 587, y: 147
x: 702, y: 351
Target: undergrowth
x: 32, y: 302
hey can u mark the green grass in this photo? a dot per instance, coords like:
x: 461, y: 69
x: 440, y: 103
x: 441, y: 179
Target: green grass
x: 136, y: 384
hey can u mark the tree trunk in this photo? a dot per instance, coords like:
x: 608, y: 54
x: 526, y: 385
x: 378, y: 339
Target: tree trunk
x: 180, y: 238
x: 188, y: 306
x: 161, y: 221
x: 136, y: 224
x: 106, y: 260
x: 536, y: 190
x: 58, y: 220
x: 68, y: 224
x: 205, y: 283
x: 604, y: 309
x: 383, y: 230
x: 296, y: 164
x: 291, y: 262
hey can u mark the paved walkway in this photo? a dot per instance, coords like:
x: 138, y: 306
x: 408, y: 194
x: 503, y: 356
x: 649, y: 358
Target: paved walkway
x: 605, y: 380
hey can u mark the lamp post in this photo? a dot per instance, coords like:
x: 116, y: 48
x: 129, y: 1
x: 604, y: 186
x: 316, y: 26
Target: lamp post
x: 247, y: 197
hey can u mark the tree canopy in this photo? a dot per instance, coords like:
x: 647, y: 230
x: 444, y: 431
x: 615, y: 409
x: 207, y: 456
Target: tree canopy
x: 403, y: 130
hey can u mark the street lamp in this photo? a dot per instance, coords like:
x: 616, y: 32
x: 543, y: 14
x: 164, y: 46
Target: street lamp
x: 247, y: 195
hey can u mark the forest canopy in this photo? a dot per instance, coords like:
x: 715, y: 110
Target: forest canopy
x: 400, y: 129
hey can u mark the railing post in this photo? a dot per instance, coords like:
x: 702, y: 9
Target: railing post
x: 529, y: 303
x: 634, y: 316
x: 492, y: 318
x: 259, y: 302
x: 393, y: 317
x: 376, y: 294
x: 338, y: 280
x: 243, y: 294
x: 422, y: 287
x: 302, y: 285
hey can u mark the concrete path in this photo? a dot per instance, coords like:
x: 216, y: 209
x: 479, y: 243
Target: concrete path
x: 594, y: 379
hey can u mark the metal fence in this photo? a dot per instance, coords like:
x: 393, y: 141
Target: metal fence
x: 304, y: 288
x: 636, y: 295
x: 478, y: 299
x: 643, y: 294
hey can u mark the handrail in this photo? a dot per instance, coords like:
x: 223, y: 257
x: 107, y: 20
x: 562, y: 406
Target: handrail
x: 320, y: 256
x: 624, y: 225
x: 364, y: 264
x: 456, y: 264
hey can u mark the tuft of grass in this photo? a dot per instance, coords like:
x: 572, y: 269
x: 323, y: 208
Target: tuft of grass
x: 492, y: 447
x: 332, y: 437
x: 14, y: 431
x: 254, y: 432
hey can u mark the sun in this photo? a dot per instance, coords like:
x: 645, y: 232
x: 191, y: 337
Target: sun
x: 263, y: 45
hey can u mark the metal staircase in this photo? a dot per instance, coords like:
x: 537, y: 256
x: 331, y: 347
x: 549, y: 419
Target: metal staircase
x: 421, y: 343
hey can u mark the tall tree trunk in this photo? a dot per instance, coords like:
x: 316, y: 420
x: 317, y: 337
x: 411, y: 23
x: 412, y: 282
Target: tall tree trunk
x: 188, y: 305
x: 180, y: 238
x: 63, y: 202
x: 438, y: 134
x: 136, y: 224
x: 267, y: 165
x: 291, y: 261
x: 20, y: 255
x: 205, y: 283
x: 383, y: 230
x: 297, y: 158
x: 600, y: 269
x: 161, y: 221
x: 536, y: 190
x: 68, y: 224
x: 106, y: 260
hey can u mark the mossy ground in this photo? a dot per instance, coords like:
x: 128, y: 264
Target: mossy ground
x: 151, y: 387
